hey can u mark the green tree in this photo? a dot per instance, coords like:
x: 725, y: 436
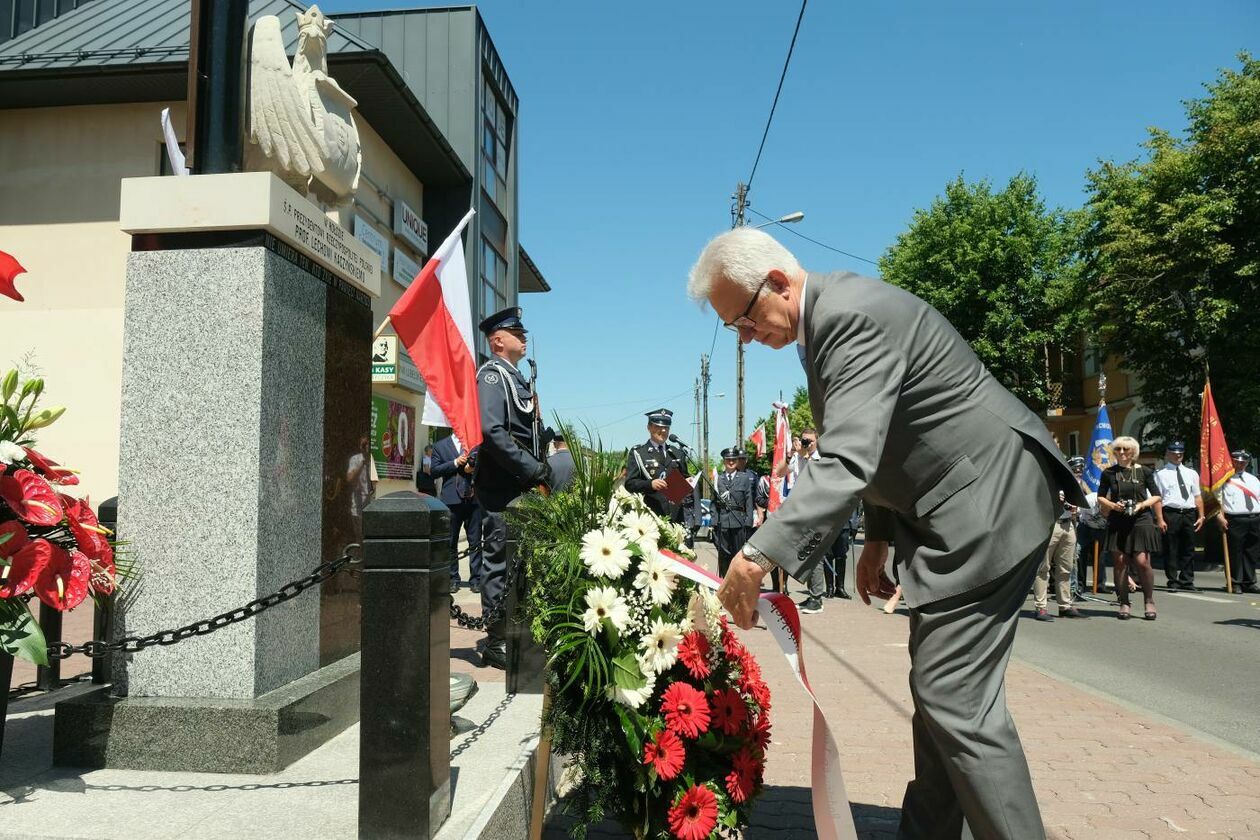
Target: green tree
x: 1002, y: 269
x: 1173, y: 258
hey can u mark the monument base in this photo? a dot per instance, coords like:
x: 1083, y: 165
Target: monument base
x: 208, y: 735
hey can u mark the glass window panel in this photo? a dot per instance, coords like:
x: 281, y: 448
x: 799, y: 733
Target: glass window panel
x: 502, y: 187
x: 25, y: 16
x: 488, y: 182
x: 494, y: 227
x: 501, y: 159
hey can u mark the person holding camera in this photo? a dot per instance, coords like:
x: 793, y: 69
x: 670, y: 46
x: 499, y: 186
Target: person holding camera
x: 1129, y: 495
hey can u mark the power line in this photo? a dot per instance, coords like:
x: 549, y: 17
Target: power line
x: 633, y: 413
x: 775, y: 104
x: 795, y: 232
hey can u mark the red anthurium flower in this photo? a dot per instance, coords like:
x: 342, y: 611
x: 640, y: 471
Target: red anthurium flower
x: 10, y: 268
x: 20, y: 570
x: 695, y: 814
x: 693, y: 652
x: 12, y: 537
x: 86, y: 529
x: 743, y: 776
x: 51, y: 469
x: 104, y: 573
x: 665, y: 753
x: 729, y: 711
x: 31, y: 497
x: 63, y: 582
x: 686, y: 710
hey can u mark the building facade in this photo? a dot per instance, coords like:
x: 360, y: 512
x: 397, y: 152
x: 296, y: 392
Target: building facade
x: 1076, y: 390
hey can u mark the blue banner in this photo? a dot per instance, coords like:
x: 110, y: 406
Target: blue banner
x: 1099, y: 456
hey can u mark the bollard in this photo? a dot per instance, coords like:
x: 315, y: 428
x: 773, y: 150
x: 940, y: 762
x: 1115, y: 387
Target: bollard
x: 48, y: 677
x: 6, y: 681
x: 525, y: 657
x: 103, y: 610
x: 404, y: 681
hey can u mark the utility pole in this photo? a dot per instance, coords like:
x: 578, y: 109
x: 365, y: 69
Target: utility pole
x: 740, y: 199
x: 704, y: 417
x: 696, y: 424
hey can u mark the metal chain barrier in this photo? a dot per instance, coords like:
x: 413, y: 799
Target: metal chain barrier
x: 132, y: 644
x: 475, y: 734
x: 481, y: 622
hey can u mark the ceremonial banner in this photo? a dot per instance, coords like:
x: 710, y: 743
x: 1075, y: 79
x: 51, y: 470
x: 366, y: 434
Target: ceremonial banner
x: 758, y: 439
x: 1215, y: 465
x: 433, y: 318
x: 1099, y: 457
x: 833, y: 818
x: 779, y: 488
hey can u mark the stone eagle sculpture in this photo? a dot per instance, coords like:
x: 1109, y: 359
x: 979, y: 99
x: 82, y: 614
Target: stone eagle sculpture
x: 301, y: 125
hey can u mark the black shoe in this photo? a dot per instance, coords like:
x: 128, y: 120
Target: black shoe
x: 810, y: 606
x: 1172, y: 586
x: 1042, y: 615
x: 475, y: 587
x: 455, y: 585
x: 494, y: 654
x: 1190, y: 587
x: 843, y: 595
x: 1251, y: 589
x: 1069, y: 612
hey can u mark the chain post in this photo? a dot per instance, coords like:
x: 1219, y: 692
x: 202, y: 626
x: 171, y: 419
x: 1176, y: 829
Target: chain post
x: 48, y: 677
x: 103, y: 609
x: 404, y: 679
x: 525, y: 657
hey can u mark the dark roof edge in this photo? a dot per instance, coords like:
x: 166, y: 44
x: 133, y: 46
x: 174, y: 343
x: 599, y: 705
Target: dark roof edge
x: 533, y: 267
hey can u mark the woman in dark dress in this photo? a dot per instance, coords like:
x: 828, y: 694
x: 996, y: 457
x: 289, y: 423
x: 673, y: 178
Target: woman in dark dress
x: 1128, y: 494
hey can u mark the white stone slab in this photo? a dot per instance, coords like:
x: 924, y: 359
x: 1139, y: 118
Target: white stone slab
x: 248, y: 201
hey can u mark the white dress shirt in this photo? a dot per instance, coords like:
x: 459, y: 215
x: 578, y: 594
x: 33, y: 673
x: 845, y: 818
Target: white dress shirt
x: 1170, y: 490
x: 1235, y: 501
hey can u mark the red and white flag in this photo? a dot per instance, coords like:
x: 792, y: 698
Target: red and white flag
x: 433, y: 319
x: 758, y: 439
x: 782, y: 437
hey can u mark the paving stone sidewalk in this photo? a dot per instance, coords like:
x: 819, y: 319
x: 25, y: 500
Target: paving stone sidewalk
x: 1102, y: 771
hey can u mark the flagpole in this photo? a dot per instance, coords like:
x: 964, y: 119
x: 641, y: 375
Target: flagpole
x: 1095, y: 567
x: 381, y: 328
x: 1229, y: 579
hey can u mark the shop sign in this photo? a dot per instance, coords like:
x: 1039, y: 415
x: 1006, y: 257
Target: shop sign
x: 371, y: 237
x: 392, y: 365
x: 393, y: 438
x: 409, y: 225
x: 405, y: 268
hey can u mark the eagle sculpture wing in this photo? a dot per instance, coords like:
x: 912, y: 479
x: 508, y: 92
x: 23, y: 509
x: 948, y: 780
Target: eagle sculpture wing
x: 280, y: 119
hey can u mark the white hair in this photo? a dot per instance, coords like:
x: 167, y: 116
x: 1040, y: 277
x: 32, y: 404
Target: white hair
x: 745, y: 256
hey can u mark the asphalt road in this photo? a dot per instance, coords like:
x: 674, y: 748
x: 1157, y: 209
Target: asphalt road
x: 1198, y: 663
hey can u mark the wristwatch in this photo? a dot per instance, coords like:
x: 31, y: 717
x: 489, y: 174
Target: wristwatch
x: 758, y: 557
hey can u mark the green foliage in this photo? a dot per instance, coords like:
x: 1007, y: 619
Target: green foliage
x: 1173, y: 252
x: 20, y: 634
x: 1001, y: 268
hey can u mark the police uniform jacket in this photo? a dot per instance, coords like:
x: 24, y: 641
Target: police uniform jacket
x: 736, y: 499
x: 645, y: 463
x: 506, y: 464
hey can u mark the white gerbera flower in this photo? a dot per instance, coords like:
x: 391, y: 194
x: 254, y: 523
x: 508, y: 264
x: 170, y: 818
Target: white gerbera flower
x: 605, y: 602
x: 11, y: 453
x: 632, y: 697
x: 606, y: 553
x: 640, y: 527
x: 655, y: 578
x: 660, y: 646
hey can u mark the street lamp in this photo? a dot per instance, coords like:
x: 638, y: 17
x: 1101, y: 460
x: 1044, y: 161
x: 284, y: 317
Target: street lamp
x: 789, y: 219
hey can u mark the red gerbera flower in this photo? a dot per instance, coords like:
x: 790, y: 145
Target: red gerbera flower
x: 693, y: 652
x: 743, y: 777
x: 665, y: 753
x: 694, y: 815
x: 729, y: 711
x: 31, y: 498
x: 51, y: 469
x: 19, y: 568
x: 757, y: 690
x: 686, y: 710
x: 759, y: 732
x: 731, y: 644
x: 63, y: 582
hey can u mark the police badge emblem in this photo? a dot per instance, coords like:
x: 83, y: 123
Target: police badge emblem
x: 492, y: 378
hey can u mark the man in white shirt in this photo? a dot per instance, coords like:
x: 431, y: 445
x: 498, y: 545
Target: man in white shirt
x: 1183, y: 516
x: 1240, y: 520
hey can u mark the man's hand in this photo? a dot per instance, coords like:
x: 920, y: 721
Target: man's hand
x: 1222, y: 521
x: 740, y: 589
x: 1198, y: 524
x: 659, y: 484
x: 869, y: 574
x: 460, y: 460
x: 1163, y: 526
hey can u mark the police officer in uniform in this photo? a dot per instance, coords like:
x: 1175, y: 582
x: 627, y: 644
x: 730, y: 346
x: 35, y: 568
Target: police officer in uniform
x: 735, y: 500
x: 510, y: 460
x: 1182, y: 499
x: 1239, y: 518
x: 649, y: 463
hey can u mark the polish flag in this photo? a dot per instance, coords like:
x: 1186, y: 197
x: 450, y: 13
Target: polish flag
x: 433, y: 319
x: 758, y: 439
x: 782, y: 437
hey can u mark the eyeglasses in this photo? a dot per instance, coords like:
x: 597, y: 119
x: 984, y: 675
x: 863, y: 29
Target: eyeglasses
x: 743, y: 321
x: 807, y: 441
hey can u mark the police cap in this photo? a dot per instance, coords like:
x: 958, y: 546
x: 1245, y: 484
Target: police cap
x: 1176, y: 446
x: 1240, y: 455
x: 733, y: 452
x: 506, y: 319
x: 1076, y: 462
x: 661, y: 417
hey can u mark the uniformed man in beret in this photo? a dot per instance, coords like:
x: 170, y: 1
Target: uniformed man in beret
x: 735, y: 499
x: 511, y: 459
x: 648, y: 464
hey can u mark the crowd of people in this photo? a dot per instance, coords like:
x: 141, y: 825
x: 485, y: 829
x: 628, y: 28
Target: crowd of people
x: 1142, y: 517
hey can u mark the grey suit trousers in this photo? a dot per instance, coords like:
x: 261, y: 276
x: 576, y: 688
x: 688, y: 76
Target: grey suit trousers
x: 968, y: 761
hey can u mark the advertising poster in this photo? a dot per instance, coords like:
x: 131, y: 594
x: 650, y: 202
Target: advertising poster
x: 393, y: 439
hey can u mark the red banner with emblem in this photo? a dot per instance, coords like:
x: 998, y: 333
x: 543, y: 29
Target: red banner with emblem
x: 1215, y: 466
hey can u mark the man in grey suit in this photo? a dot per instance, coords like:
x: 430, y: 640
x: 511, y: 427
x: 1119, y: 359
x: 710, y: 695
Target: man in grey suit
x: 953, y: 469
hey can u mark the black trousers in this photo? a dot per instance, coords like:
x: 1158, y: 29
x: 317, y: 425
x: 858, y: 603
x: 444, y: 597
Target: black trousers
x: 494, y: 558
x: 839, y: 557
x: 1243, y: 538
x: 1086, y: 539
x: 1178, y: 546
x: 729, y: 541
x: 467, y: 515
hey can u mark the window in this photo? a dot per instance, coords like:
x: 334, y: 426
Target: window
x: 1074, y: 444
x: 1092, y: 363
x: 495, y: 132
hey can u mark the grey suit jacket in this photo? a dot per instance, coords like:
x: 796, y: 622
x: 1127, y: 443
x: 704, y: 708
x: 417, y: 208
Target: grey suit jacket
x: 953, y: 468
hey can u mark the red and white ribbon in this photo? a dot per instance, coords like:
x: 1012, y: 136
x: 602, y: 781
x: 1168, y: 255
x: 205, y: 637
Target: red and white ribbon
x: 833, y: 819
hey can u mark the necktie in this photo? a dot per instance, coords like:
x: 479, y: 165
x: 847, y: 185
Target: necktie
x: 1181, y: 482
x: 1247, y: 496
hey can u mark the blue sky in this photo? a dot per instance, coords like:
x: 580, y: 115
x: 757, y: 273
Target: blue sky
x: 637, y: 120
